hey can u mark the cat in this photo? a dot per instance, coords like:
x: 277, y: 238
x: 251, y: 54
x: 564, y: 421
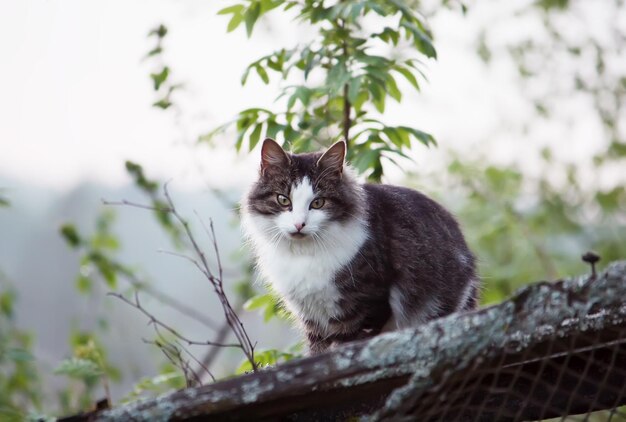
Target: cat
x: 352, y: 260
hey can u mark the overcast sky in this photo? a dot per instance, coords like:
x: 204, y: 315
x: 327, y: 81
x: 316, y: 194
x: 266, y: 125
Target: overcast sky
x: 76, y: 94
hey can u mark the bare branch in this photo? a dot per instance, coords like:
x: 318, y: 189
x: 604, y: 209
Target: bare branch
x: 200, y: 364
x: 173, y: 354
x: 136, y: 205
x: 153, y: 320
x: 187, y: 258
x: 232, y: 319
x: 167, y: 299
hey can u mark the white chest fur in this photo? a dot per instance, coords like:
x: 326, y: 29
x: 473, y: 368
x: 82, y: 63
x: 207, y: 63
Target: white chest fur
x: 303, y: 272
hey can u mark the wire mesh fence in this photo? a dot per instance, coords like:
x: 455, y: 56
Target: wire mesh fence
x: 559, y: 378
x: 574, y: 370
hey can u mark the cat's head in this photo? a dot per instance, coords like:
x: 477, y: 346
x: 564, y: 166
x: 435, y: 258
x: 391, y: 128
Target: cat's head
x: 301, y: 197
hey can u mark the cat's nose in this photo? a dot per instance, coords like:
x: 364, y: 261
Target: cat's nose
x: 299, y: 226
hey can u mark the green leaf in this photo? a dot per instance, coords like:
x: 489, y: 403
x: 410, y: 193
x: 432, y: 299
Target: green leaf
x: 163, y: 103
x: 255, y: 136
x: 421, y: 40
x: 155, y: 51
x: 78, y: 368
x: 234, y: 22
x: 160, y: 31
x: 408, y: 75
x: 83, y: 284
x: 257, y: 302
x: 360, y: 100
x: 425, y: 138
x: 378, y: 95
x: 159, y: 78
x: 237, y: 8
x: 366, y: 160
x: 273, y: 128
x: 289, y: 5
x: 136, y: 171
x: 392, y: 89
x: 244, y: 77
x: 338, y: 76
x: 267, y: 5
x: 251, y: 16
x: 355, y: 11
x: 265, y: 358
x: 310, y: 59
x: 70, y: 234
x: 398, y: 137
x: 354, y: 87
x: 262, y: 74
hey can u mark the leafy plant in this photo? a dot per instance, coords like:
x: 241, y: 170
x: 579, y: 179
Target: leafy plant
x: 160, y: 77
x: 169, y: 378
x: 20, y: 392
x: 87, y: 365
x: 343, y: 78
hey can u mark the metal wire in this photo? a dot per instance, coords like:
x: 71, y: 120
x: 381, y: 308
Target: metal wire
x: 581, y: 377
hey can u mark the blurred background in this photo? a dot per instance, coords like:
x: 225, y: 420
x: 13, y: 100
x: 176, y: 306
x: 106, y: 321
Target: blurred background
x: 106, y: 101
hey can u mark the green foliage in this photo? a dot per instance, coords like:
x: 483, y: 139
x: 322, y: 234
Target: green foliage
x: 270, y: 357
x: 161, y: 76
x: 88, y: 367
x: 160, y: 207
x: 82, y: 369
x: 169, y: 378
x: 526, y: 228
x: 19, y: 379
x: 269, y: 306
x: 355, y: 82
x: 97, y: 261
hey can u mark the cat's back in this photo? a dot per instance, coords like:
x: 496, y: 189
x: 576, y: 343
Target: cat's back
x: 414, y: 228
x: 405, y: 206
x: 423, y: 250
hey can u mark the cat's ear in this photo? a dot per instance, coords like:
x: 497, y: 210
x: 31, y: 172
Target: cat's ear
x: 272, y: 156
x: 334, y: 157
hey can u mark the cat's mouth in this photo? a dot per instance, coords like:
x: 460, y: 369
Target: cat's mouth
x: 298, y: 235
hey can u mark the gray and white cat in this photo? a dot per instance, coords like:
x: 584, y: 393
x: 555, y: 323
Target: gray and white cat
x: 351, y: 260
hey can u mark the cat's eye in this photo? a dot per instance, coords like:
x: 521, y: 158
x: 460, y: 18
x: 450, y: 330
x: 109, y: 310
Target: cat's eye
x: 317, y: 203
x: 283, y: 200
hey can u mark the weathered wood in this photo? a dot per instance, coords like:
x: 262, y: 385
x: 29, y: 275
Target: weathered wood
x: 477, y: 365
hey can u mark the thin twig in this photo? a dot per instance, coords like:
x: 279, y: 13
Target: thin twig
x: 136, y: 205
x: 166, y: 299
x: 232, y: 319
x: 153, y: 320
x: 187, y: 258
x: 173, y: 354
x: 200, y: 364
x: 220, y: 336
